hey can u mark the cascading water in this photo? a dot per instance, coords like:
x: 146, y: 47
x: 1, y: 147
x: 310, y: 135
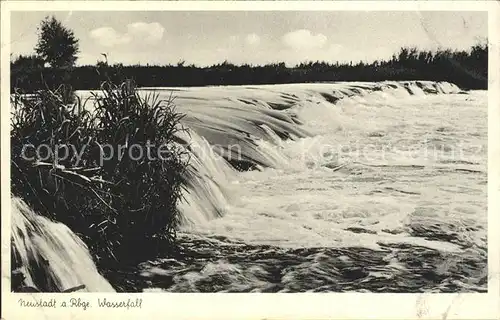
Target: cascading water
x: 262, y: 126
x: 321, y: 211
x: 208, y: 179
x: 51, y: 255
x: 284, y: 195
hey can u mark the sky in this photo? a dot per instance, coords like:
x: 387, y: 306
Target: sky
x: 255, y: 37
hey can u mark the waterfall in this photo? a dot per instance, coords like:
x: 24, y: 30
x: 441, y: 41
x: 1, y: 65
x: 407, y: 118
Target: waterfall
x: 51, y: 256
x: 230, y: 129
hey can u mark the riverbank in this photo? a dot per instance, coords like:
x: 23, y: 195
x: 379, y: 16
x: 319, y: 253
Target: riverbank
x: 466, y: 68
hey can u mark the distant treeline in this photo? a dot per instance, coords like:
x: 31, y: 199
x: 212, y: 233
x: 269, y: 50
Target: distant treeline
x: 467, y: 69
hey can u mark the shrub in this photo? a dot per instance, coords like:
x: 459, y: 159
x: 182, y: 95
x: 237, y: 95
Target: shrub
x: 147, y: 189
x: 122, y: 208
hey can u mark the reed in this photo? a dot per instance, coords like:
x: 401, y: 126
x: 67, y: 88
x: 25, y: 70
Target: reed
x: 124, y: 208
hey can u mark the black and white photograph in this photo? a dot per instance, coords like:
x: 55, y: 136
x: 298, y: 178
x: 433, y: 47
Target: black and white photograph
x: 239, y: 151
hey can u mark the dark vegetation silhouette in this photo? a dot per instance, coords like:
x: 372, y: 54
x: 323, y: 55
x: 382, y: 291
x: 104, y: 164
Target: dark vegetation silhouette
x: 466, y: 68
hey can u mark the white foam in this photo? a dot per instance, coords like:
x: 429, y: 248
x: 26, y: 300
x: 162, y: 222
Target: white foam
x: 69, y: 263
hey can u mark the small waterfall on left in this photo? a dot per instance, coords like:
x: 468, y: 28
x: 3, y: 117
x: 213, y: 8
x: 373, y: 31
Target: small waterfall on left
x: 51, y: 256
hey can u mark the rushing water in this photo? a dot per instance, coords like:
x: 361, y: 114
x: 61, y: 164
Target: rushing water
x: 327, y: 187
x: 51, y: 255
x: 377, y: 187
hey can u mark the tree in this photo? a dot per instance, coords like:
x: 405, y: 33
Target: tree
x: 57, y: 44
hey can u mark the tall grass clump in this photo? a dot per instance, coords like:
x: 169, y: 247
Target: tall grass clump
x: 123, y: 207
x: 147, y: 172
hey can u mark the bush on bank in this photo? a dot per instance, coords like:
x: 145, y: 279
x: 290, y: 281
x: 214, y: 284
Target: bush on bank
x: 124, y: 209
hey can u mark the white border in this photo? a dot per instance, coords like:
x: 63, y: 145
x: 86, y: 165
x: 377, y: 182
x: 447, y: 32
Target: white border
x: 275, y: 305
